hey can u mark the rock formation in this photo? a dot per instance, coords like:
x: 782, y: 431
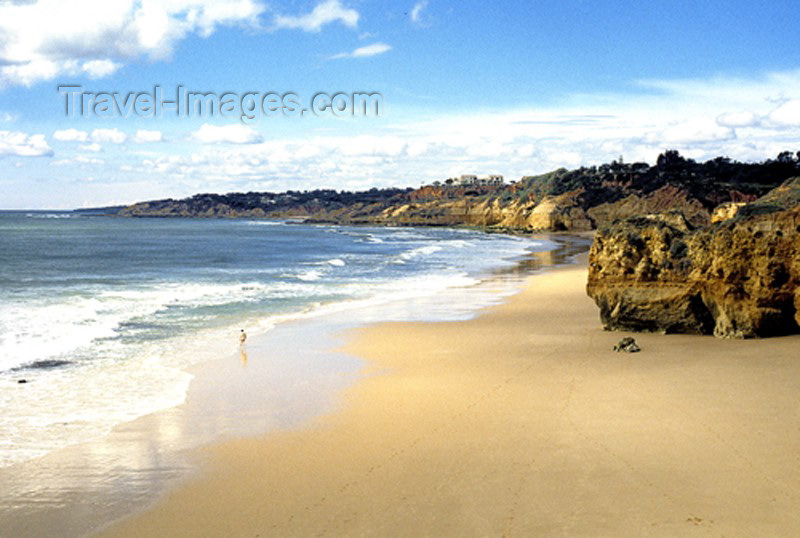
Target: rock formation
x: 562, y: 200
x: 666, y: 198
x: 627, y: 345
x: 737, y: 278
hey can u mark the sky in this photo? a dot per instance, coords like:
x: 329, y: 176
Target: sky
x: 516, y: 87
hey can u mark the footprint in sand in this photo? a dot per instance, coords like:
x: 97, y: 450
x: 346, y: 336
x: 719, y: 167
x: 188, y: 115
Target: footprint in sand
x: 697, y: 521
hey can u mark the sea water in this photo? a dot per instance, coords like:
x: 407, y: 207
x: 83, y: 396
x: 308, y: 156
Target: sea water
x: 101, y: 318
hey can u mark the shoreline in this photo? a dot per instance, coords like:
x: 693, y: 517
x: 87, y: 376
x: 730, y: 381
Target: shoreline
x: 74, y: 489
x: 520, y: 421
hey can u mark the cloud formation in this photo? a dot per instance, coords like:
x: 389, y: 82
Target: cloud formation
x: 324, y: 13
x: 226, y: 134
x: 71, y: 135
x: 23, y: 145
x: 364, y: 52
x: 739, y: 119
x: 93, y: 147
x: 701, y: 119
x: 693, y: 131
x: 48, y: 38
x: 99, y: 68
x: 44, y: 39
x: 416, y: 12
x: 79, y: 160
x: 750, y: 119
x: 115, y: 136
x: 144, y: 136
x: 786, y: 115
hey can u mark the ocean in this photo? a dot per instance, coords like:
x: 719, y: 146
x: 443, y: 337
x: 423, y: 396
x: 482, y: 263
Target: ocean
x: 102, y: 318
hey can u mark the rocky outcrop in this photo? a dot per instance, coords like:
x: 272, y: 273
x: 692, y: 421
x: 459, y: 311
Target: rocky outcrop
x: 559, y: 213
x: 726, y: 211
x: 562, y: 200
x: 553, y: 212
x: 627, y: 345
x: 738, y: 278
x: 666, y: 198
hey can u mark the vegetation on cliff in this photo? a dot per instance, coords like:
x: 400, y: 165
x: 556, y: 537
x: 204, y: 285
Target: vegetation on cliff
x: 580, y: 199
x: 262, y: 204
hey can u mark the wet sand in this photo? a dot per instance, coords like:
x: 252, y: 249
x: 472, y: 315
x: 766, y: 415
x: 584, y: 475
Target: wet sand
x: 279, y: 380
x: 75, y: 490
x: 521, y: 422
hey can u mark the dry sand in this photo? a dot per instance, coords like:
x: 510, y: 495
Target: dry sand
x: 521, y: 422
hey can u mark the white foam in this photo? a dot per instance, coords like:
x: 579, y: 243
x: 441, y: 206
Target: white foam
x: 419, y: 251
x: 58, y: 327
x: 266, y: 222
x: 309, y: 276
x: 403, y: 233
x: 50, y: 215
x: 117, y: 382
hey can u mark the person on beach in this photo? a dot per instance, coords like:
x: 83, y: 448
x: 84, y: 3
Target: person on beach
x: 242, y: 337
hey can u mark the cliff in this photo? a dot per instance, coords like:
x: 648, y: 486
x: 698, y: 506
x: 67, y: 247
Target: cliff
x: 569, y: 200
x: 737, y: 278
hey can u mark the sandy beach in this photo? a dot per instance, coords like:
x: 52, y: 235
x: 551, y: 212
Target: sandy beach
x: 520, y: 422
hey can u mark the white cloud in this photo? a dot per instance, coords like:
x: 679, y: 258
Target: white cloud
x: 143, y: 135
x: 691, y: 132
x: 34, y: 70
x: 230, y: 134
x: 324, y: 13
x: 701, y: 119
x: 739, y: 119
x: 786, y: 115
x: 47, y: 38
x: 385, y: 146
x: 99, y: 68
x: 115, y: 136
x: 80, y: 159
x: 94, y: 147
x: 71, y: 135
x: 23, y: 145
x: 364, y: 52
x: 757, y: 94
x: 416, y: 11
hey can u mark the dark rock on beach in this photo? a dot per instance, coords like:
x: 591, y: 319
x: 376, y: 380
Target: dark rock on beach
x: 46, y: 364
x: 737, y: 278
x: 628, y: 345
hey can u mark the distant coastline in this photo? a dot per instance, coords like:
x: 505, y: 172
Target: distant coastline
x: 582, y: 199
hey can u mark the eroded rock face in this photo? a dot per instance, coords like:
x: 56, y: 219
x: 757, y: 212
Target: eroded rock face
x: 736, y: 279
x: 667, y: 198
x: 726, y: 211
x: 559, y: 213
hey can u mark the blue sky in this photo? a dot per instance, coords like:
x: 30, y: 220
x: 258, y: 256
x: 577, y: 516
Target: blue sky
x: 514, y: 87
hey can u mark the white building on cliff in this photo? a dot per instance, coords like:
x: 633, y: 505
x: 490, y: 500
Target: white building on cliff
x: 472, y: 180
